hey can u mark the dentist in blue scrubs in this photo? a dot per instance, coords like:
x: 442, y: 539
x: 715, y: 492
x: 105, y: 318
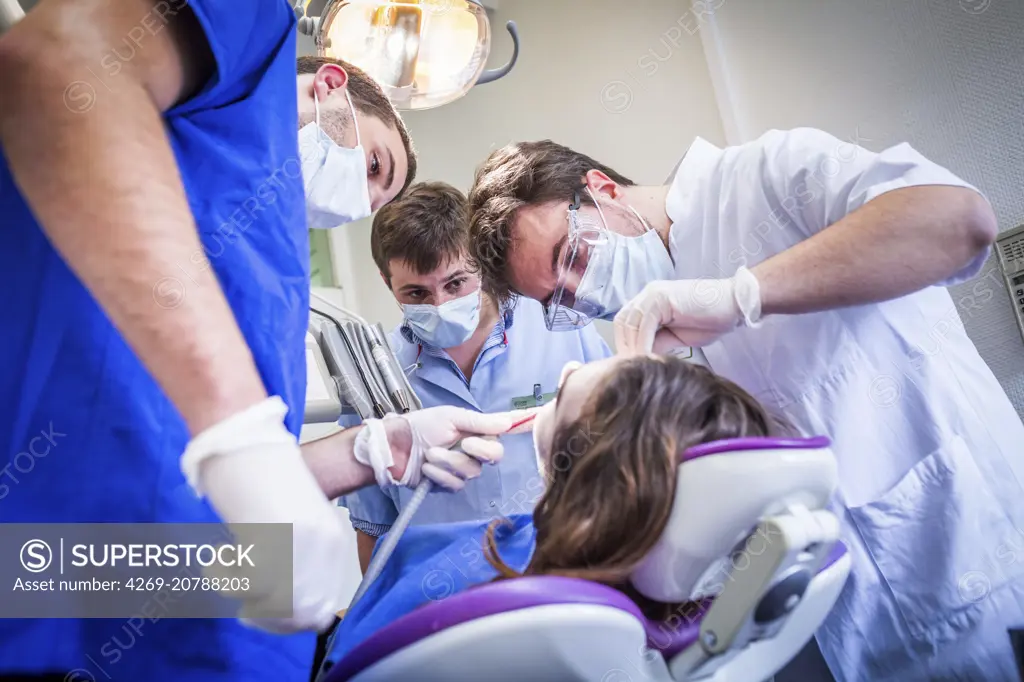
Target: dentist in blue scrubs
x: 154, y: 265
x: 459, y: 347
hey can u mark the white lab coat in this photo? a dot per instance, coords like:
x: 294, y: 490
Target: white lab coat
x: 930, y: 450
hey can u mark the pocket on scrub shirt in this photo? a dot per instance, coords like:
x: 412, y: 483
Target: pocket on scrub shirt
x: 935, y: 538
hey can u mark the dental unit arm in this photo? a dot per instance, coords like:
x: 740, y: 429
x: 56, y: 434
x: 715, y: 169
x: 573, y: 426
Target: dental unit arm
x: 750, y: 549
x: 352, y: 372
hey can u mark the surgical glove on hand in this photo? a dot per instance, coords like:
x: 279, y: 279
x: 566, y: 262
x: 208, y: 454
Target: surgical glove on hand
x: 692, y: 312
x: 402, y: 449
x: 251, y: 469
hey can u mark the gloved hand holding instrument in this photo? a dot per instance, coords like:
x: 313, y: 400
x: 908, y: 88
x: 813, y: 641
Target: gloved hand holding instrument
x: 689, y: 312
x: 251, y: 469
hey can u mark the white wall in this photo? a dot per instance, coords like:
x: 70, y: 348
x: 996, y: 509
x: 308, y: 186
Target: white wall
x: 625, y: 82
x: 944, y: 75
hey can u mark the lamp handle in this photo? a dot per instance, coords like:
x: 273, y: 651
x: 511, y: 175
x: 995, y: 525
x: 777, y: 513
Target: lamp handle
x: 502, y: 71
x: 10, y: 14
x: 300, y: 7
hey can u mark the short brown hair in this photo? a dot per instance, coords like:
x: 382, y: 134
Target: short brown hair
x: 518, y: 175
x: 369, y: 98
x: 612, y: 471
x: 426, y: 228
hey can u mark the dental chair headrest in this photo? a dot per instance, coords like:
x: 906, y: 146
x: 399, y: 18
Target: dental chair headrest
x: 723, y: 489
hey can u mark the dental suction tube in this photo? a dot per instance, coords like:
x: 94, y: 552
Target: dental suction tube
x: 387, y: 548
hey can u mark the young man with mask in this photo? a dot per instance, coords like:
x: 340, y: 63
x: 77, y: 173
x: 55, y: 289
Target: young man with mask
x: 811, y: 272
x: 155, y: 263
x: 353, y: 144
x: 461, y: 348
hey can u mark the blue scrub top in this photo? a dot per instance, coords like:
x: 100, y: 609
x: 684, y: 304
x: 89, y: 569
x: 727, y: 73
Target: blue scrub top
x: 431, y: 563
x: 520, y: 360
x: 114, y: 440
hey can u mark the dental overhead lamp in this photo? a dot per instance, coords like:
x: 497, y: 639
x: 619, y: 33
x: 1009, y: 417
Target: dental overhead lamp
x: 424, y: 53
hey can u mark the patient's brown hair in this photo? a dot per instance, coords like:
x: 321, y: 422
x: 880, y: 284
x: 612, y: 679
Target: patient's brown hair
x: 612, y: 473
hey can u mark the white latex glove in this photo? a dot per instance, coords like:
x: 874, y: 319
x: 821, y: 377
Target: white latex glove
x: 251, y: 470
x: 689, y: 312
x: 418, y: 444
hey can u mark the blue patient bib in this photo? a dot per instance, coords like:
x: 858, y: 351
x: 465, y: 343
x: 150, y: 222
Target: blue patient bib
x: 430, y: 564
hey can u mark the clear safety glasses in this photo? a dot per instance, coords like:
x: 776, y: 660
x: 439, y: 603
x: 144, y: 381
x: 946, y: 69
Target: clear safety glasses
x: 564, y: 312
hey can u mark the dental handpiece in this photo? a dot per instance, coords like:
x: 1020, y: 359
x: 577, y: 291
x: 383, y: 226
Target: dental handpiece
x: 401, y: 390
x: 387, y: 372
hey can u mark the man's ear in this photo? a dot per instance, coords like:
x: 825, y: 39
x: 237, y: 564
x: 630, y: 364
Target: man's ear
x: 599, y: 183
x: 329, y: 78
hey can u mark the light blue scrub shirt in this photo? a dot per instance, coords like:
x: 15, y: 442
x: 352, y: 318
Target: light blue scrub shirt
x: 104, y: 440
x: 520, y: 360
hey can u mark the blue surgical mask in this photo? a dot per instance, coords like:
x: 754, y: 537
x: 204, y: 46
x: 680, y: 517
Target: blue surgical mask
x: 619, y: 269
x: 447, y: 325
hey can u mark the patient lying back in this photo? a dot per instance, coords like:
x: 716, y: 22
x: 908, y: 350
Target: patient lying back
x: 609, y: 447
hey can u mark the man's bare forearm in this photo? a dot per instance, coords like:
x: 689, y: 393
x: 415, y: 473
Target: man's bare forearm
x: 333, y: 463
x: 892, y: 246
x: 105, y: 189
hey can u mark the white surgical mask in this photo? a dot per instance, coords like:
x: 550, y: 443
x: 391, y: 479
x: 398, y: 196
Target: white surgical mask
x: 619, y: 268
x: 447, y: 325
x: 337, y: 190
